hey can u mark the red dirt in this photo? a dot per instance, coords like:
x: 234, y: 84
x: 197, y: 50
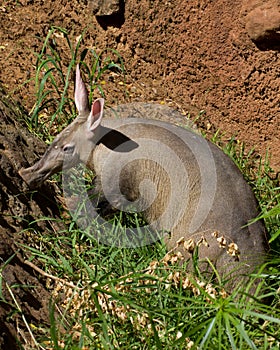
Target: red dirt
x: 195, y: 55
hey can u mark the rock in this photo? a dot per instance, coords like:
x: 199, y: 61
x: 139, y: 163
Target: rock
x: 105, y: 7
x: 263, y: 23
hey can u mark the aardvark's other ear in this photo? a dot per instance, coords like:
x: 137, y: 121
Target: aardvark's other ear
x: 96, y: 114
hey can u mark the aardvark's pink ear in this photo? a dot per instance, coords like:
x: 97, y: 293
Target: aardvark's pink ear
x: 96, y: 114
x: 81, y: 95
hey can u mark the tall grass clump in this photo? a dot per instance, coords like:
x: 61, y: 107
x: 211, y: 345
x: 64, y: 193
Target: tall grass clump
x: 55, y: 66
x: 112, y: 298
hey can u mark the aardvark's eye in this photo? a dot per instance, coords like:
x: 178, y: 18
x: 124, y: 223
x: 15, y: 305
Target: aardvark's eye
x: 68, y: 149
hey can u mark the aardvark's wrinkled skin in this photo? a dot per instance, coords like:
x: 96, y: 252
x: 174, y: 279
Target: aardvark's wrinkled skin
x: 197, y: 189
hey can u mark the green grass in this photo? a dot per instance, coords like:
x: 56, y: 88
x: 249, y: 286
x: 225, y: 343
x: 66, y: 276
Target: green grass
x: 131, y: 298
x: 54, y: 75
x: 265, y: 184
x: 107, y: 297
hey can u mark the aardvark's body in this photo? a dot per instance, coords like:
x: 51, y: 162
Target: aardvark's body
x: 183, y: 184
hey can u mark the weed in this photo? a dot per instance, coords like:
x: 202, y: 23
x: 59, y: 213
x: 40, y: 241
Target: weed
x: 54, y: 102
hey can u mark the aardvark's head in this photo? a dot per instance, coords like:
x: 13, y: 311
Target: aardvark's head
x: 74, y: 144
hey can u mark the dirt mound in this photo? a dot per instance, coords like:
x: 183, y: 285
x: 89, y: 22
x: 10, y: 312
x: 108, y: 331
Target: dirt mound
x: 194, y: 55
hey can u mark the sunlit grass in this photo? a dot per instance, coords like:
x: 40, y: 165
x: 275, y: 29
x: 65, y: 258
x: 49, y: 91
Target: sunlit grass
x: 54, y: 95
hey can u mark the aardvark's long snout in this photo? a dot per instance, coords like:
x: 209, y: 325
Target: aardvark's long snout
x: 35, y: 175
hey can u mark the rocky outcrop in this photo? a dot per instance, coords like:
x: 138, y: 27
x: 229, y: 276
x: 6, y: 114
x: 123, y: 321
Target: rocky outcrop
x: 24, y: 297
x: 262, y: 22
